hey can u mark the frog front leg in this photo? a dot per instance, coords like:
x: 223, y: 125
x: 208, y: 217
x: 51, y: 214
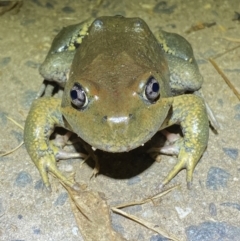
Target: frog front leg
x: 42, y: 119
x: 190, y: 113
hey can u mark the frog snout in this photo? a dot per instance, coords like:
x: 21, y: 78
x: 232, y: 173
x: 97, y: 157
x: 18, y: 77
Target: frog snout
x: 116, y: 133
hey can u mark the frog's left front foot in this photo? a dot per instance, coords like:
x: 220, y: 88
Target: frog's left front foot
x: 185, y: 161
x: 190, y: 112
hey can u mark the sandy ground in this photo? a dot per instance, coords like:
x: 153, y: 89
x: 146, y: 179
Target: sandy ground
x: 209, y: 211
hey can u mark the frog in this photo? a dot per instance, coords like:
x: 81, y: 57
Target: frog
x: 121, y: 84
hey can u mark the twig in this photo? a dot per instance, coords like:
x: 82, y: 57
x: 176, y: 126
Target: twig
x: 11, y: 151
x: 237, y: 40
x: 150, y: 199
x: 231, y: 86
x: 147, y: 224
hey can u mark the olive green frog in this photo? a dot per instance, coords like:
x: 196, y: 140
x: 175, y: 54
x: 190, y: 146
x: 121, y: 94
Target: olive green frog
x: 121, y: 85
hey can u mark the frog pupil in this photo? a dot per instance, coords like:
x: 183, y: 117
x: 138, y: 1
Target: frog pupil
x: 73, y: 94
x: 155, y: 87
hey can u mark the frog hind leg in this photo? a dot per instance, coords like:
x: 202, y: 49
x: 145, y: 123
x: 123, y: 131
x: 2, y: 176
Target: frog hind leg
x: 171, y: 146
x: 56, y: 66
x: 184, y: 72
x: 189, y: 111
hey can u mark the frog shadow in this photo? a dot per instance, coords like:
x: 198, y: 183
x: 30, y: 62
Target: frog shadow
x: 127, y: 164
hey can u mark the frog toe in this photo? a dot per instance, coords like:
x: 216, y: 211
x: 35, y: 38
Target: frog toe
x: 190, y: 170
x: 187, y: 163
x: 44, y: 175
x: 64, y: 155
x: 176, y: 169
x: 54, y: 170
x: 48, y: 164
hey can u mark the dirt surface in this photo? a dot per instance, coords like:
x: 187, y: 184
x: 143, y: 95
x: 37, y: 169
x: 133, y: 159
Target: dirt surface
x: 209, y: 211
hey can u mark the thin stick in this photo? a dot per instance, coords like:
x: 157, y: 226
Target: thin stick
x: 231, y: 86
x: 227, y: 51
x: 17, y: 124
x: 147, y: 224
x: 150, y: 199
x: 11, y: 151
x: 237, y: 40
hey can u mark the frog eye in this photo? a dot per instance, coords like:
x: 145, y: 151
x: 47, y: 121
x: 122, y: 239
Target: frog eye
x: 152, y: 90
x: 78, y: 96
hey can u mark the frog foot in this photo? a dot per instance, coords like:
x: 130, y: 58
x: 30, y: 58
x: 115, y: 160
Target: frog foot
x: 96, y: 168
x: 171, y: 146
x: 48, y: 89
x: 170, y: 137
x: 47, y: 164
x: 185, y: 161
x: 187, y: 158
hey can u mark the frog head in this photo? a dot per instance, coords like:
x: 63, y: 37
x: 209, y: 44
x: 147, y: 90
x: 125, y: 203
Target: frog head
x: 118, y: 94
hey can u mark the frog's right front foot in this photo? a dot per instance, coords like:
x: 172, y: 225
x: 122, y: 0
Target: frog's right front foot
x: 43, y: 116
x: 47, y: 163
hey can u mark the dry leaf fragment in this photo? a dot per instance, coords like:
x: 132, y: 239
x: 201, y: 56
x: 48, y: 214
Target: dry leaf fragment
x: 200, y: 26
x: 93, y: 216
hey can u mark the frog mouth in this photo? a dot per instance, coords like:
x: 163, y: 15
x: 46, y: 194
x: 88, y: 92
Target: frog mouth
x: 116, y: 144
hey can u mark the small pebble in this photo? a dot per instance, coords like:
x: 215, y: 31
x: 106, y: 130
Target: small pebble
x: 3, y: 118
x: 237, y: 108
x: 134, y: 180
x: 232, y: 205
x: 220, y: 102
x: 39, y: 185
x: 217, y: 178
x: 212, y: 209
x: 23, y: 179
x: 237, y: 117
x: 28, y: 98
x: 182, y: 213
x: 158, y: 237
x: 231, y: 152
x: 32, y: 64
x: 213, y: 231
x: 75, y: 231
x: 62, y: 198
x: 36, y: 230
x: 18, y: 135
x: 4, y: 61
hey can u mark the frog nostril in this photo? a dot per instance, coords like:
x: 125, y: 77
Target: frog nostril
x: 105, y: 118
